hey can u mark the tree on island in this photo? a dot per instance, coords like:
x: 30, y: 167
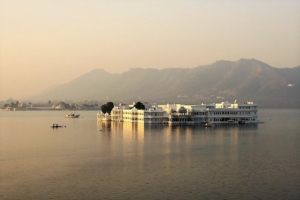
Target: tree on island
x: 106, y: 108
x: 64, y: 105
x: 14, y: 105
x: 139, y: 106
x: 73, y: 106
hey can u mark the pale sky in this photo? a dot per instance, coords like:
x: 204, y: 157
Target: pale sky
x: 47, y: 42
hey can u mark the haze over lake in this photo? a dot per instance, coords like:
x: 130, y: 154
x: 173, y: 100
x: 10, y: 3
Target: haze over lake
x: 81, y: 54
x: 44, y: 43
x: 90, y: 160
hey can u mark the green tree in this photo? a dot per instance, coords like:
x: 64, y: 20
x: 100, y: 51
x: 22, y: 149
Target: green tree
x: 106, y: 108
x: 85, y: 105
x: 139, y: 106
x: 72, y: 106
x: 110, y: 105
x: 13, y: 105
x: 67, y: 106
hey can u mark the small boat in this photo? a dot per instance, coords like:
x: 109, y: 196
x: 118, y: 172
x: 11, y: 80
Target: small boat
x: 57, y: 126
x: 73, y: 115
x: 208, y: 125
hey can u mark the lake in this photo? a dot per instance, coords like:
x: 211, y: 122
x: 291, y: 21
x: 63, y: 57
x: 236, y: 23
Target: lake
x: 92, y: 160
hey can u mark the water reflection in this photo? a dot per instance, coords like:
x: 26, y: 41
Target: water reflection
x: 221, y: 142
x: 124, y: 141
x: 152, y: 146
x: 137, y: 132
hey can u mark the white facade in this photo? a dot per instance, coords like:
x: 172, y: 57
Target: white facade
x: 217, y: 113
x: 117, y: 113
x: 184, y: 114
x: 152, y: 115
x: 225, y: 112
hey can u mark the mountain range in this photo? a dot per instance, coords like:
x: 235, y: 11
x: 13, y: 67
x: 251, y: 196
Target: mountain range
x: 242, y: 80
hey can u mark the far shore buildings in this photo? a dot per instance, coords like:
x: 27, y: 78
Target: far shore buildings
x: 216, y: 113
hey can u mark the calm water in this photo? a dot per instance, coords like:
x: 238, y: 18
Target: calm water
x: 90, y: 160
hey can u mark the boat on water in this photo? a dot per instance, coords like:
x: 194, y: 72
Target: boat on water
x: 57, y: 126
x: 72, y: 115
x: 231, y: 121
x: 208, y: 125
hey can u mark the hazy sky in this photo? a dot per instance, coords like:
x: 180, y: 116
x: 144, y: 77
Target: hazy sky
x: 47, y: 42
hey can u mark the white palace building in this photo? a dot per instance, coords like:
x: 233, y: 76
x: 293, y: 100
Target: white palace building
x: 215, y: 113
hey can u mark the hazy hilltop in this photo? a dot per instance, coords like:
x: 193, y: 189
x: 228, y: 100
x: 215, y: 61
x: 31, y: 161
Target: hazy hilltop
x: 244, y: 80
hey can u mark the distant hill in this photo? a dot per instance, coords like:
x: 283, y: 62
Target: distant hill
x: 244, y: 80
